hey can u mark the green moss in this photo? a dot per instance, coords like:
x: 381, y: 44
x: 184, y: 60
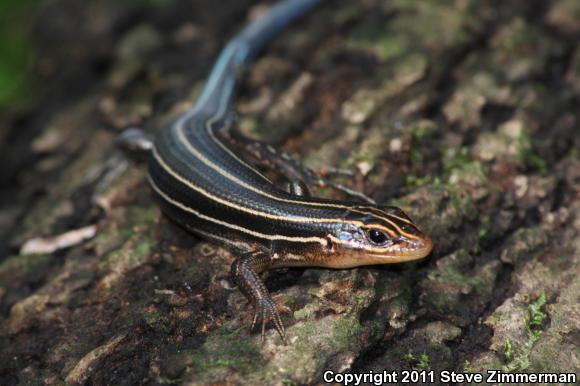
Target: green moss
x: 419, y: 364
x: 345, y: 332
x: 478, y: 282
x: 508, y: 353
x: 484, y: 226
x: 373, y: 36
x: 371, y: 150
x: 517, y: 359
x: 454, y: 158
x: 536, y: 315
x: 24, y: 264
x: 420, y: 132
x: 462, y: 202
x: 471, y: 173
x: 461, y: 170
x: 453, y: 278
x: 432, y: 23
x: 424, y: 363
x: 302, y: 314
x: 134, y: 253
x: 409, y: 358
x: 365, y: 154
x: 528, y: 156
x: 511, y: 142
x: 114, y: 236
x: 423, y: 130
x: 38, y: 219
x: 305, y: 332
x: 360, y: 298
x: 391, y: 45
x: 467, y: 367
x: 15, y: 51
x: 318, y: 339
x: 109, y: 239
x: 226, y: 349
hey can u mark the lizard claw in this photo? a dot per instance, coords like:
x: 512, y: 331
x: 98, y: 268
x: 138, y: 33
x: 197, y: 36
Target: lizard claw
x: 266, y: 310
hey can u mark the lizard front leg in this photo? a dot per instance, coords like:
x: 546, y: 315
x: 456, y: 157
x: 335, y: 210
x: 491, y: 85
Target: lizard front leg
x: 244, y: 274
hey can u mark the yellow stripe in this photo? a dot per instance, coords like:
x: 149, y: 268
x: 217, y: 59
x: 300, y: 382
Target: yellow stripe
x: 181, y: 137
x: 178, y: 204
x: 241, y: 208
x: 393, y: 232
x: 207, y: 162
x: 393, y: 215
x: 189, y: 146
x: 239, y: 245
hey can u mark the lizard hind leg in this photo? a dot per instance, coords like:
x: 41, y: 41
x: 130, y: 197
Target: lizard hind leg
x: 135, y: 144
x: 299, y: 188
x: 277, y: 159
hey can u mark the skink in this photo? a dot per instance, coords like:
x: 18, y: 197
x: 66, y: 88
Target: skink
x: 204, y: 184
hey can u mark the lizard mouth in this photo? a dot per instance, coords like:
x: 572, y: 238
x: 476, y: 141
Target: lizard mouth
x: 407, y: 250
x: 401, y: 253
x: 411, y: 250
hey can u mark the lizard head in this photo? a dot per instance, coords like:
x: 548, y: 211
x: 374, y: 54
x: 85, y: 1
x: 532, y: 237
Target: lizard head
x: 377, y: 235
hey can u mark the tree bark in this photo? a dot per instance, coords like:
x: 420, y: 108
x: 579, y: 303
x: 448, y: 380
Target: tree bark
x: 464, y: 113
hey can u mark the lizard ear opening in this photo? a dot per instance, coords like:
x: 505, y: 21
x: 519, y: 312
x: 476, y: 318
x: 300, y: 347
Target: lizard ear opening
x: 329, y: 244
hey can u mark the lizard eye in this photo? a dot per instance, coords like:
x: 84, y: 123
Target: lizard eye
x: 377, y: 237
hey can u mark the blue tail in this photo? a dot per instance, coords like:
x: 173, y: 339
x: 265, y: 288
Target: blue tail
x: 218, y: 91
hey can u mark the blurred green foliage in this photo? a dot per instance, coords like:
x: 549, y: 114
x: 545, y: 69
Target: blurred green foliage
x: 15, y: 50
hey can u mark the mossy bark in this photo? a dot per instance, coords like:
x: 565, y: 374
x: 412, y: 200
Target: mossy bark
x: 463, y: 112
